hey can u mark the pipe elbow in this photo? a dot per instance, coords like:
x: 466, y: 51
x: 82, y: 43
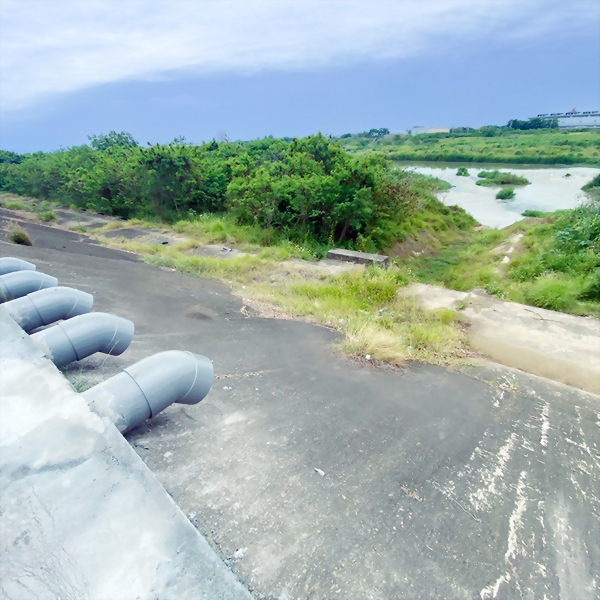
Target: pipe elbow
x: 48, y: 306
x: 85, y: 335
x: 20, y: 283
x: 8, y: 264
x: 144, y: 389
x: 173, y: 376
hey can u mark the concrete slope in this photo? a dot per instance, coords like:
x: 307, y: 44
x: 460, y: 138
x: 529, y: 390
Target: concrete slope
x: 316, y: 478
x: 82, y: 517
x: 561, y: 347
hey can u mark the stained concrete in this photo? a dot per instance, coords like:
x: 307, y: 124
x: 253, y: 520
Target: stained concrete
x: 315, y: 477
x: 361, y: 258
x: 81, y: 516
x: 45, y: 237
x: 562, y: 347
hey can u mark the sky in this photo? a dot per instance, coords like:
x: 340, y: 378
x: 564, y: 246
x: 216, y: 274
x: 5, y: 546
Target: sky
x: 245, y: 69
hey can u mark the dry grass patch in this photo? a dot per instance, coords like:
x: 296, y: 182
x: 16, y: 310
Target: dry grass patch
x: 362, y: 303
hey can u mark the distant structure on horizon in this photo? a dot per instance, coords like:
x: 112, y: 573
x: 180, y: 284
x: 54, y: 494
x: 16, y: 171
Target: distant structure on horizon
x: 419, y: 130
x: 572, y: 119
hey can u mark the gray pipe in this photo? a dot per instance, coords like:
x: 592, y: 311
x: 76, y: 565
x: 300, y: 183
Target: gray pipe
x: 144, y: 389
x: 20, y: 283
x: 83, y: 336
x: 48, y: 306
x: 8, y: 264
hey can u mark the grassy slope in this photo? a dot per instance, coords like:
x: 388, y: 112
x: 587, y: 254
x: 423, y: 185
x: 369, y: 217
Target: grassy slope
x: 440, y: 246
x: 545, y: 270
x: 534, y: 147
x: 363, y: 304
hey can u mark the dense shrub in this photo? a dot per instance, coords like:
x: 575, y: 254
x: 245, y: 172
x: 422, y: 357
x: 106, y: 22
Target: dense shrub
x: 308, y: 189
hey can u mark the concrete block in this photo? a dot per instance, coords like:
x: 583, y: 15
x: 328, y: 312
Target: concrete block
x: 362, y: 258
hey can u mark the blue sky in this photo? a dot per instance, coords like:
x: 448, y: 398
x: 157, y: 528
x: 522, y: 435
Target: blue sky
x: 201, y: 68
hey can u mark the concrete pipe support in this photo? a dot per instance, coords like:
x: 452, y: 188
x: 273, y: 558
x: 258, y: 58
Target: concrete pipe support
x: 48, y: 306
x: 144, y: 389
x: 20, y: 283
x: 83, y: 336
x: 8, y: 264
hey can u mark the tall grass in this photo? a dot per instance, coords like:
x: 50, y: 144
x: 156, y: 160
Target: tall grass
x: 365, y: 304
x: 555, y: 265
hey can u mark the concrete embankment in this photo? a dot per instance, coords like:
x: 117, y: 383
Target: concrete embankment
x: 81, y: 516
x: 313, y: 476
x: 561, y: 347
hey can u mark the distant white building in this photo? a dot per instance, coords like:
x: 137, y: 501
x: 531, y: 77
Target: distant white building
x: 419, y: 130
x: 572, y: 119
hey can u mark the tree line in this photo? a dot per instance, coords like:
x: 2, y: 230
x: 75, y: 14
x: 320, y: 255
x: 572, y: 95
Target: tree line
x: 309, y: 189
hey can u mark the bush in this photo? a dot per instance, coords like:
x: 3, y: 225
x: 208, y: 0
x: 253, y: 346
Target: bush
x: 532, y: 213
x: 506, y: 194
x: 18, y: 235
x: 462, y: 172
x: 48, y: 216
x: 309, y: 190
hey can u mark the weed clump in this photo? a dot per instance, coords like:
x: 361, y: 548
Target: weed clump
x: 48, y: 216
x: 462, y: 172
x: 506, y: 194
x: 553, y: 292
x: 15, y: 205
x: 17, y: 235
x: 593, y: 185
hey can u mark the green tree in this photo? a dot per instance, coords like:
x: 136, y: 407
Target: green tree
x: 104, y: 142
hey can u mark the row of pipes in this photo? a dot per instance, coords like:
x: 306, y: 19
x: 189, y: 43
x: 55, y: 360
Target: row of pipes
x: 137, y: 393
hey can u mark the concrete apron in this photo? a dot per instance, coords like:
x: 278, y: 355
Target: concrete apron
x: 561, y: 347
x: 82, y: 517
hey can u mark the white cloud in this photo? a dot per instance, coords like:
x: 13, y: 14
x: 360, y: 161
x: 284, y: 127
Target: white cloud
x: 57, y: 46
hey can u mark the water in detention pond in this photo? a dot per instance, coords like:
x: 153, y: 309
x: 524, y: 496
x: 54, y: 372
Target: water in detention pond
x: 549, y: 190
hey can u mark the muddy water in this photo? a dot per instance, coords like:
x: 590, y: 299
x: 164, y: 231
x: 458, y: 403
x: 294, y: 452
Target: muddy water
x: 550, y: 190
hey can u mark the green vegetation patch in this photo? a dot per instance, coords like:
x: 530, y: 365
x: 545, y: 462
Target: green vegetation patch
x: 17, y: 235
x: 497, y: 178
x: 488, y: 145
x: 48, y: 216
x: 308, y: 191
x: 506, y: 194
x: 555, y: 265
x: 365, y: 304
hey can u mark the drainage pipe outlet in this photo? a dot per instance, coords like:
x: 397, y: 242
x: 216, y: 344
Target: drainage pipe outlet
x: 83, y: 336
x: 48, y: 306
x: 8, y: 264
x: 20, y: 283
x: 144, y: 389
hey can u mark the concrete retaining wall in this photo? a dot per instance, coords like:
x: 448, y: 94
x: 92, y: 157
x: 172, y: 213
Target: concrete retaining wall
x: 82, y: 517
